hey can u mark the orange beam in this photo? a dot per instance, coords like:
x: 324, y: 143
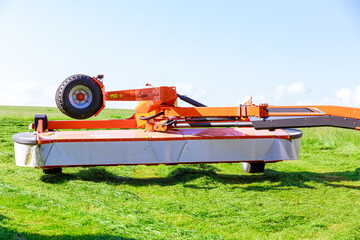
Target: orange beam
x: 260, y: 111
x: 201, y: 111
x: 348, y: 112
x: 244, y: 111
x: 91, y: 124
x: 164, y: 94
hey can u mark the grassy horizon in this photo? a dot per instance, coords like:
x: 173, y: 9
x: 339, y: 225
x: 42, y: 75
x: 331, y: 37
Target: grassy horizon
x: 315, y: 197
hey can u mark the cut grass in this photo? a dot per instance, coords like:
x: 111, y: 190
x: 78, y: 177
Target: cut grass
x: 316, y: 197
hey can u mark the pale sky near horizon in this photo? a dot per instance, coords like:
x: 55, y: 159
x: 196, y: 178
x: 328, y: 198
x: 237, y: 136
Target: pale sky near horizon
x: 219, y: 52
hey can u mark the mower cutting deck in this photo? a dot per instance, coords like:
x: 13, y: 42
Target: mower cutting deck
x: 159, y: 132
x: 126, y: 147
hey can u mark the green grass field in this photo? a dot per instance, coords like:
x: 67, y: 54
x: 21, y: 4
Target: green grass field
x: 315, y: 197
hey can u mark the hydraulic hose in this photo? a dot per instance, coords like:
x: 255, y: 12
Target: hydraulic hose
x: 151, y: 117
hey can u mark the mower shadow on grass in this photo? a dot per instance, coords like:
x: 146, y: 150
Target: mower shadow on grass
x: 184, y: 175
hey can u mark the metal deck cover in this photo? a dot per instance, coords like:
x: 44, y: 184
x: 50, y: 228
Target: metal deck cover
x: 24, y: 138
x: 183, y: 134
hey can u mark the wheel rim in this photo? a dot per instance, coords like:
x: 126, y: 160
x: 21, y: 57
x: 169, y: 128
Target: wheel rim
x: 80, y: 96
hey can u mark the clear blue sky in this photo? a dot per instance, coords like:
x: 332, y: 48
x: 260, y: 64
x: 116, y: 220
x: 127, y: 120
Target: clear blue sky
x: 220, y: 52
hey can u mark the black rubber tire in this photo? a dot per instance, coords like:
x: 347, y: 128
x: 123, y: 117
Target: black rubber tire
x: 64, y: 90
x: 253, y: 167
x: 57, y: 170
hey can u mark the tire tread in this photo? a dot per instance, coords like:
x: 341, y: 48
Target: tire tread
x: 60, y: 102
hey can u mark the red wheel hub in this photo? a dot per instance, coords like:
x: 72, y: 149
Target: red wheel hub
x: 80, y: 96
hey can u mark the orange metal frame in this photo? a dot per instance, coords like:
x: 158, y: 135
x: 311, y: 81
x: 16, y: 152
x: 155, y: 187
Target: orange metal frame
x: 162, y: 101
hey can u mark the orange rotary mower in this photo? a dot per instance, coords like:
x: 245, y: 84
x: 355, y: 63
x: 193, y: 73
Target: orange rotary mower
x: 160, y: 132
